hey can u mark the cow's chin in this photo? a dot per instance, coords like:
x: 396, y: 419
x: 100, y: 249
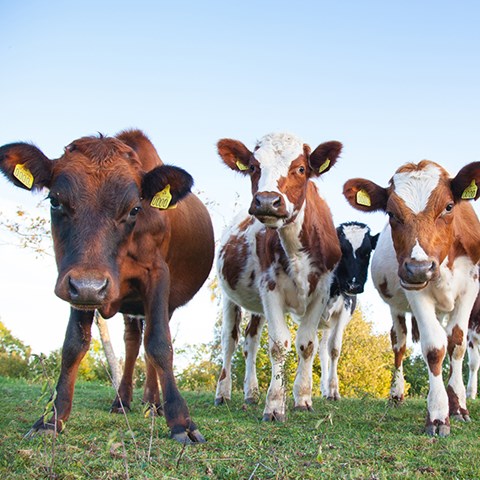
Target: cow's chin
x: 271, y: 221
x: 413, y: 286
x: 86, y: 307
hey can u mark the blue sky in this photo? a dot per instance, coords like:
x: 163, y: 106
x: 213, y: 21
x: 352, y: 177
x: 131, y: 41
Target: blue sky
x: 393, y: 81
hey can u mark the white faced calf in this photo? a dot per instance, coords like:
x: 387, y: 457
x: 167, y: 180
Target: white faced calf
x: 279, y: 258
x: 426, y: 263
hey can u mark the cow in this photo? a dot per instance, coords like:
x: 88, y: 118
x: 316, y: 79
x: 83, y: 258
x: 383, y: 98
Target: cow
x: 349, y: 279
x: 279, y: 258
x: 128, y: 237
x: 426, y: 263
x: 473, y: 341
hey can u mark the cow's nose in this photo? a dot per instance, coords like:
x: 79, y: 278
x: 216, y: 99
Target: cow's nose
x: 420, y: 271
x: 87, y: 290
x: 354, y: 288
x: 267, y: 204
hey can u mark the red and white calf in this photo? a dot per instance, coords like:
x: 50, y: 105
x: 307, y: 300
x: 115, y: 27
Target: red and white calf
x: 473, y: 340
x: 426, y: 263
x: 279, y: 258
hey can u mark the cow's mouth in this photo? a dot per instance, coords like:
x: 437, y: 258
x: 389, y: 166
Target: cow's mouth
x: 271, y: 221
x: 85, y: 307
x: 413, y: 286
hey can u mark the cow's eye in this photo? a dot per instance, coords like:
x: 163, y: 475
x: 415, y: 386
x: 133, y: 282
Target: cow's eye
x: 134, y: 211
x: 252, y: 168
x: 301, y: 170
x: 449, y: 208
x: 55, y: 203
x: 393, y: 217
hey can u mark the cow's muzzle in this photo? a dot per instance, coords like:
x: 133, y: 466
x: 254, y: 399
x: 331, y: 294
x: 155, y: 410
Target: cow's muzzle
x: 415, y: 274
x: 84, y: 291
x: 268, y: 207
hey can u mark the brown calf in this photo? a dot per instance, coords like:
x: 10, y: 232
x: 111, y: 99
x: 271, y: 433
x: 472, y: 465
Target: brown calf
x: 128, y: 238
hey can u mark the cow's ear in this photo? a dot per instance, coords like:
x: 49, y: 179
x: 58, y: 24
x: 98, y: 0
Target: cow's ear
x: 234, y: 154
x: 465, y: 186
x: 26, y: 166
x: 365, y: 195
x: 374, y: 240
x: 324, y: 157
x: 165, y: 185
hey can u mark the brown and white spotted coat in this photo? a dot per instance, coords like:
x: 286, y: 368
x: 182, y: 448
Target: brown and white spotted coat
x: 279, y: 258
x: 426, y: 263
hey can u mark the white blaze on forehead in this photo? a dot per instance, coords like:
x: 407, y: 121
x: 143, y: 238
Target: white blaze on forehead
x: 418, y: 253
x: 415, y: 188
x: 355, y: 234
x: 275, y: 154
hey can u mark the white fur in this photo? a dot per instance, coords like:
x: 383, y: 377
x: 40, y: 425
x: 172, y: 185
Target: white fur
x: 473, y: 341
x: 418, y: 253
x: 415, y: 188
x: 355, y: 235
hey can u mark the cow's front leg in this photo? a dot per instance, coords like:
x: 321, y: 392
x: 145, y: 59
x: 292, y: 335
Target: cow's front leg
x: 159, y: 351
x: 433, y: 340
x: 253, y: 334
x: 398, y: 337
x: 151, y: 390
x: 133, y: 338
x: 75, y: 346
x: 473, y: 342
x: 456, y: 347
x: 230, y: 332
x: 306, y: 343
x: 339, y: 322
x: 279, y: 343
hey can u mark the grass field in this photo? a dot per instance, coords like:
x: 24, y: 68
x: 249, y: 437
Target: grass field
x: 353, y: 439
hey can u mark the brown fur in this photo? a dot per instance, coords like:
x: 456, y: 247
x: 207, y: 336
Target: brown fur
x: 435, y: 359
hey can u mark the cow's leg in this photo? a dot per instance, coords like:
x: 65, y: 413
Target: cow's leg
x: 151, y: 390
x: 159, y: 351
x: 132, y: 337
x: 398, y: 337
x: 306, y: 343
x: 253, y: 333
x: 324, y: 360
x: 433, y: 340
x: 230, y: 332
x: 473, y: 342
x: 279, y: 344
x: 75, y: 346
x: 334, y: 349
x: 456, y: 347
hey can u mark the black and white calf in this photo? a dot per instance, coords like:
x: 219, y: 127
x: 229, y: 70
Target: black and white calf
x: 356, y: 244
x: 473, y: 343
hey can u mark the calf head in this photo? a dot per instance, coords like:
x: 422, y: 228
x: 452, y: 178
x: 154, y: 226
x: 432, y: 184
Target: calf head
x: 421, y: 202
x: 356, y: 244
x: 99, y: 195
x: 279, y: 167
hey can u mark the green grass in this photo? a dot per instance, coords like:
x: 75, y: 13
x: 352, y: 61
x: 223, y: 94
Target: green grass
x: 352, y: 439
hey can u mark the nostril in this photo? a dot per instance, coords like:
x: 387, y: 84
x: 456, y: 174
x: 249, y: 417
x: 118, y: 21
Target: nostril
x: 102, y: 292
x: 433, y: 266
x: 72, y: 287
x: 277, y: 202
x: 257, y: 201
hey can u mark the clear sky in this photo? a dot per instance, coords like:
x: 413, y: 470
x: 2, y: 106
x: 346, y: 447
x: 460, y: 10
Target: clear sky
x: 393, y: 81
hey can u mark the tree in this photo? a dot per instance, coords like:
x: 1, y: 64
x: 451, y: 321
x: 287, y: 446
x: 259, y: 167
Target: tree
x: 14, y: 355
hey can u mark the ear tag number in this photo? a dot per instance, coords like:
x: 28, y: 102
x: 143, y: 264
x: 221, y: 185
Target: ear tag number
x: 241, y: 166
x: 363, y: 198
x: 324, y: 165
x: 162, y: 199
x: 23, y: 175
x: 470, y: 192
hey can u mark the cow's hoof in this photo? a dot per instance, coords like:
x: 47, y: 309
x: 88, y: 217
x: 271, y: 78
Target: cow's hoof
x: 303, y: 408
x: 461, y: 417
x: 442, y: 430
x: 396, y: 401
x: 40, y: 427
x: 152, y: 409
x: 221, y: 401
x: 273, y: 417
x: 118, y: 408
x: 335, y: 397
x: 189, y: 437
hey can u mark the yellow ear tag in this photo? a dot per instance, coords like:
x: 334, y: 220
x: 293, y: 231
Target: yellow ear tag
x: 23, y: 175
x: 241, y: 166
x: 162, y: 199
x: 363, y: 198
x: 470, y: 192
x: 324, y: 165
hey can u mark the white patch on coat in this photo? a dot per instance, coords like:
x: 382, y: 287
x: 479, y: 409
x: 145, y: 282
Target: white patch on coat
x: 418, y: 253
x: 355, y: 234
x: 275, y: 153
x: 415, y: 188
